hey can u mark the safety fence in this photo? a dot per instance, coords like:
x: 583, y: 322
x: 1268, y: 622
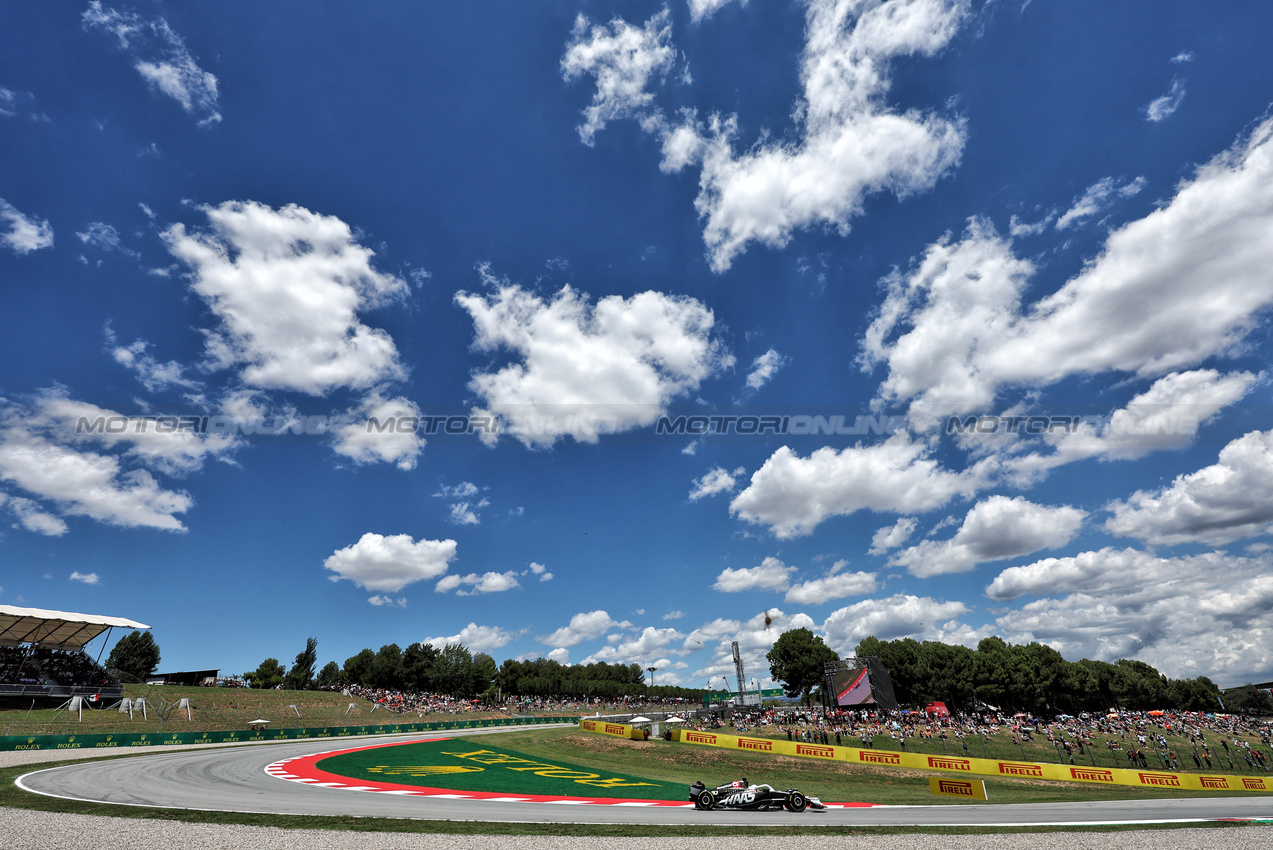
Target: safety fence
x: 965, y: 766
x: 156, y: 739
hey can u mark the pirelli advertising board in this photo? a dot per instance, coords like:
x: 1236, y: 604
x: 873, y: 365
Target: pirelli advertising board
x: 982, y: 767
x: 619, y: 730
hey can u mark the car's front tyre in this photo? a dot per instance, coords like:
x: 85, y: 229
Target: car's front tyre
x: 796, y: 802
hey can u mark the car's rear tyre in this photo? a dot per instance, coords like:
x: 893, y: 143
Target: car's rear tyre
x: 796, y: 802
x: 705, y: 801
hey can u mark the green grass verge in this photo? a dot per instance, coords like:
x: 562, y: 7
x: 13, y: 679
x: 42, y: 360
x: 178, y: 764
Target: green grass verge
x: 656, y: 764
x: 840, y: 782
x: 217, y: 710
x: 469, y: 764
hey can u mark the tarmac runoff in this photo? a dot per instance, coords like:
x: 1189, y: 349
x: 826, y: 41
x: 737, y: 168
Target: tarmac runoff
x: 238, y: 779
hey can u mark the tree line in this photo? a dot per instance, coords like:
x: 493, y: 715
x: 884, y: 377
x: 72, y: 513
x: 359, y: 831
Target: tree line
x: 455, y: 671
x: 1029, y: 677
x: 1034, y: 677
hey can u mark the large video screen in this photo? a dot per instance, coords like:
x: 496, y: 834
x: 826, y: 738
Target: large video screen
x: 852, y: 687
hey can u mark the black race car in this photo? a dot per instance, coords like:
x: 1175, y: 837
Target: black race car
x: 741, y: 796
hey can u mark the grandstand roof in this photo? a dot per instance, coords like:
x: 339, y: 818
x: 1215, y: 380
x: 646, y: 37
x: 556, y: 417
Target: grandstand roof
x: 60, y: 629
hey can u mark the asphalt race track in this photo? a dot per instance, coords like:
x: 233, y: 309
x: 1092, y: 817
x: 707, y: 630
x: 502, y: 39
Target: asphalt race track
x: 234, y: 779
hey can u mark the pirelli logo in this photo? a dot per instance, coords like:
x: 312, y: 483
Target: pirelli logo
x: 756, y: 744
x: 589, y: 726
x: 961, y: 789
x: 875, y: 757
x: 967, y: 789
x: 1160, y: 780
x: 938, y: 763
x: 1089, y: 774
x: 1214, y: 782
x: 616, y: 729
x: 816, y: 752
x: 1012, y: 768
x: 699, y: 738
x: 1254, y: 784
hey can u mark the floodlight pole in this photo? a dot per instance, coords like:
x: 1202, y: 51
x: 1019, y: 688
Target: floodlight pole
x: 651, y: 672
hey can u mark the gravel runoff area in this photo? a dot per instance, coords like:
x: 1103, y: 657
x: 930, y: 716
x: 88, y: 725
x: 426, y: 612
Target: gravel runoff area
x: 22, y: 829
x: 27, y: 830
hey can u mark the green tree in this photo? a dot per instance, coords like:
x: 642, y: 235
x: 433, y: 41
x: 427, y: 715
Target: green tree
x: 993, y: 676
x: 386, y: 668
x: 358, y: 667
x: 947, y: 673
x: 1247, y: 700
x: 481, y: 674
x: 1041, y: 671
x: 301, y: 676
x: 454, y: 671
x: 1200, y: 694
x: 417, y: 667
x: 269, y: 675
x: 1137, y: 685
x: 329, y: 676
x: 136, y: 654
x: 798, y: 660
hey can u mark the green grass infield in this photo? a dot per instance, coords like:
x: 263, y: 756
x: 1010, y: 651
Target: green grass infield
x: 466, y: 765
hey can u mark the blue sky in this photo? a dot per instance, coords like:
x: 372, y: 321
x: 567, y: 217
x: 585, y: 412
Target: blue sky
x: 622, y: 331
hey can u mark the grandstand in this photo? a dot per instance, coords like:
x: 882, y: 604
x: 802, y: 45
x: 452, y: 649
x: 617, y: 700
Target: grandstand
x: 43, y: 657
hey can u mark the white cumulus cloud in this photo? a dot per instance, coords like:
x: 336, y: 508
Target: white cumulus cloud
x: 622, y: 58
x: 287, y: 286
x: 715, y: 481
x: 822, y: 590
x: 475, y: 638
x: 764, y: 367
x: 851, y: 143
x: 995, y: 529
x: 587, y: 370
x: 793, y: 495
x: 1218, y: 504
x: 898, y: 616
x: 772, y: 574
x: 1205, y: 614
x: 588, y: 626
x: 474, y: 583
x: 892, y: 536
x: 161, y: 57
x: 389, y: 563
x: 1166, y: 416
x: 380, y: 430
x: 23, y: 234
x: 1182, y: 284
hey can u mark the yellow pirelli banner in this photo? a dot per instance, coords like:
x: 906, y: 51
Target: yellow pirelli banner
x: 761, y: 745
x: 964, y: 789
x: 605, y: 727
x: 982, y: 767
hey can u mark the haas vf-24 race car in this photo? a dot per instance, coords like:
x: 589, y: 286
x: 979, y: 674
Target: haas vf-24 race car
x: 740, y: 796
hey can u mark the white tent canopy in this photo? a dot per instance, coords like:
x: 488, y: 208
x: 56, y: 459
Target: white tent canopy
x: 58, y: 629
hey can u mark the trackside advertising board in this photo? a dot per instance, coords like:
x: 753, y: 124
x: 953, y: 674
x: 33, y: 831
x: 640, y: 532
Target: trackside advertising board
x: 161, y: 739
x: 981, y: 766
x: 964, y: 789
x: 618, y: 730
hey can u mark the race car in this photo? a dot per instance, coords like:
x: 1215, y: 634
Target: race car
x: 742, y: 796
